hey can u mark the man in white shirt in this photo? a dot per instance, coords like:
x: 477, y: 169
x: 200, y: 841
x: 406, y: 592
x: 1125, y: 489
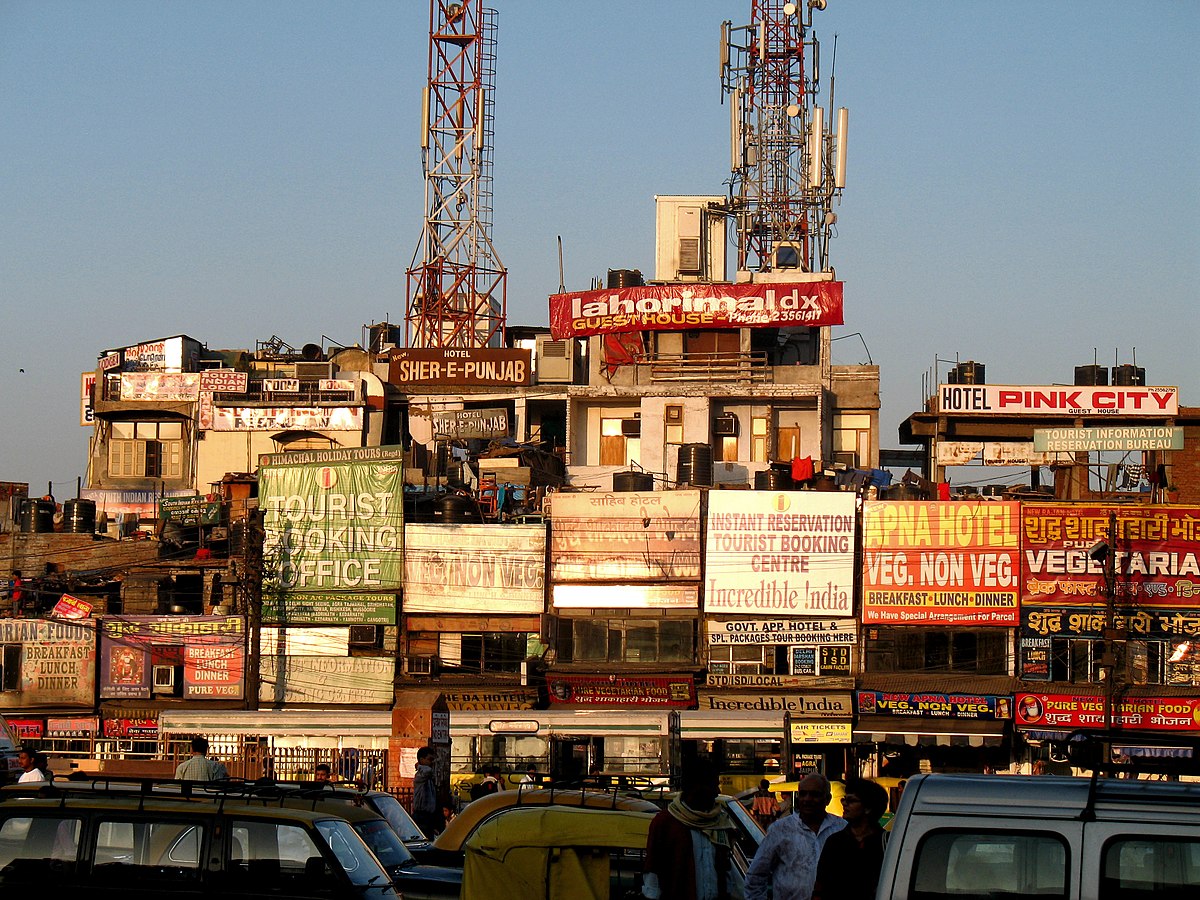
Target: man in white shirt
x: 198, y: 767
x: 30, y: 773
x: 786, y: 861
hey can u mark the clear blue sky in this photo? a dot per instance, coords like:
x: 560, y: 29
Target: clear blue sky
x: 1024, y: 178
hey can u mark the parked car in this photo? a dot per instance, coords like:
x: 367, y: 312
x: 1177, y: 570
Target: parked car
x: 9, y: 768
x: 969, y: 836
x: 382, y: 803
x: 60, y: 841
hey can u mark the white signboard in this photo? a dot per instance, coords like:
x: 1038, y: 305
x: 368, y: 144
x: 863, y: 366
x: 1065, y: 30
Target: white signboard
x: 286, y: 418
x: 281, y: 385
x: 225, y: 380
x: 995, y: 453
x: 625, y: 596
x: 169, y: 386
x: 781, y: 631
x: 788, y: 553
x: 87, y: 384
x: 807, y: 705
x: 470, y: 568
x: 625, y: 536
x: 333, y: 680
x: 1062, y: 400
x: 305, y: 641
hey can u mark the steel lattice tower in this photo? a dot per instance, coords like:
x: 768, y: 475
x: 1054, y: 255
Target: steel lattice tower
x: 787, y: 168
x: 456, y: 283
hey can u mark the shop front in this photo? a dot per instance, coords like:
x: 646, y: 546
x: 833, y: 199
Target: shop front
x: 901, y: 733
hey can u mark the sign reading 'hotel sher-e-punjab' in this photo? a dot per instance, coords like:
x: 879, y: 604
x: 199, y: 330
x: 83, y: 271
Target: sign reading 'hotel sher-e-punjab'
x: 672, y: 307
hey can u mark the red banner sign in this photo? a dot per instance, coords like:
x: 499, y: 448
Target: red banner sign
x: 940, y: 563
x: 1156, y: 555
x: 620, y: 690
x: 1066, y: 712
x: 26, y: 729
x: 679, y: 307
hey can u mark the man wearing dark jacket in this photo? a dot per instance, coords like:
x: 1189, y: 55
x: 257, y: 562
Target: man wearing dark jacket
x: 688, y: 846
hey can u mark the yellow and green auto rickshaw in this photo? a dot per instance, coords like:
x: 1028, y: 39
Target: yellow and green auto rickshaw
x: 556, y: 853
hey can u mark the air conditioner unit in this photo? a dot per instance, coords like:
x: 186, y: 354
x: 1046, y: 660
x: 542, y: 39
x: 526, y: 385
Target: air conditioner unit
x: 726, y: 425
x: 556, y: 360
x: 366, y: 636
x: 164, y: 679
x: 311, y: 371
x: 689, y: 255
x: 631, y: 427
x: 420, y: 665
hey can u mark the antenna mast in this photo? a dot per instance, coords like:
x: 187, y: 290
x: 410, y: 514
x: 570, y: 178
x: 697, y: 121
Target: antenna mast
x: 456, y: 283
x: 787, y: 165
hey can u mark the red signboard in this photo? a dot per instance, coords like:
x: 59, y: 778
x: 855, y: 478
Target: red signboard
x: 940, y: 563
x: 1066, y: 712
x: 680, y: 307
x: 621, y: 690
x: 131, y: 728
x: 71, y: 607
x: 26, y: 729
x: 1156, y: 555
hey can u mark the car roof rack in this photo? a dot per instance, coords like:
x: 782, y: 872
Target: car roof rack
x: 1100, y: 752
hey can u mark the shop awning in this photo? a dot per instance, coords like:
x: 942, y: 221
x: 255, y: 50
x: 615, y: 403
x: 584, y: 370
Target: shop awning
x: 916, y: 731
x: 1122, y: 749
x: 712, y: 724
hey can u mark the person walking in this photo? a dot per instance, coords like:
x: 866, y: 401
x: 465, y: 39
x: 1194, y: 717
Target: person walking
x: 198, y: 767
x: 425, y: 809
x: 853, y: 857
x: 688, y: 845
x: 764, y: 807
x: 786, y: 861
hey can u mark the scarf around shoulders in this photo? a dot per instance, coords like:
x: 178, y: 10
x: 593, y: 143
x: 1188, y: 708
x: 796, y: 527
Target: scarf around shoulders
x: 714, y: 824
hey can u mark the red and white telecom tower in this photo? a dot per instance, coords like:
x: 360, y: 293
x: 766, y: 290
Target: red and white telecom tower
x: 787, y: 166
x: 456, y: 283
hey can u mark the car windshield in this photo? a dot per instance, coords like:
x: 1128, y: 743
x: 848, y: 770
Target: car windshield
x: 357, y: 861
x: 7, y: 741
x: 389, y: 807
x: 378, y: 835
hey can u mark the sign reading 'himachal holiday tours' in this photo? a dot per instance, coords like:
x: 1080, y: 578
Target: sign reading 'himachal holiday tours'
x: 673, y: 307
x: 788, y: 553
x: 940, y: 563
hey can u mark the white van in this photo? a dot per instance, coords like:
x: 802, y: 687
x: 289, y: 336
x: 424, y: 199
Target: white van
x: 977, y: 836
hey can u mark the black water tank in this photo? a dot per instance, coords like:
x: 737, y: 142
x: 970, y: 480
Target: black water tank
x: 633, y: 481
x: 1091, y: 375
x: 37, y: 516
x: 773, y: 480
x: 456, y: 509
x: 1128, y: 376
x: 623, y: 278
x: 969, y: 372
x: 695, y: 465
x: 79, y: 516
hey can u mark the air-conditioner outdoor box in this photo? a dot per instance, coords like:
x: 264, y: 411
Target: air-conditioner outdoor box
x: 418, y: 665
x: 364, y: 636
x: 556, y: 360
x: 164, y: 679
x: 310, y: 371
x: 631, y: 427
x: 726, y: 425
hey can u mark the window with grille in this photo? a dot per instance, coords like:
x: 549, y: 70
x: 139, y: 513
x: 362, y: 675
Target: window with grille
x: 10, y: 667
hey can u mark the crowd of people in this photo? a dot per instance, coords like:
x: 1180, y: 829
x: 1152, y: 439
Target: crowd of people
x: 810, y: 855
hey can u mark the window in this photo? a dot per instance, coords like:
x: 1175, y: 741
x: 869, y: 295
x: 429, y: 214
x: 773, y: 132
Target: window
x: 10, y: 668
x: 616, y: 448
x: 631, y: 640
x: 1145, y: 867
x: 759, y: 427
x: 487, y: 652
x: 742, y: 659
x: 966, y: 651
x: 1075, y: 659
x: 852, y: 439
x: 969, y: 865
x: 145, y: 450
x: 673, y: 421
x: 160, y: 851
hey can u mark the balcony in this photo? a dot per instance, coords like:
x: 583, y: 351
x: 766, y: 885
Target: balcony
x: 746, y: 367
